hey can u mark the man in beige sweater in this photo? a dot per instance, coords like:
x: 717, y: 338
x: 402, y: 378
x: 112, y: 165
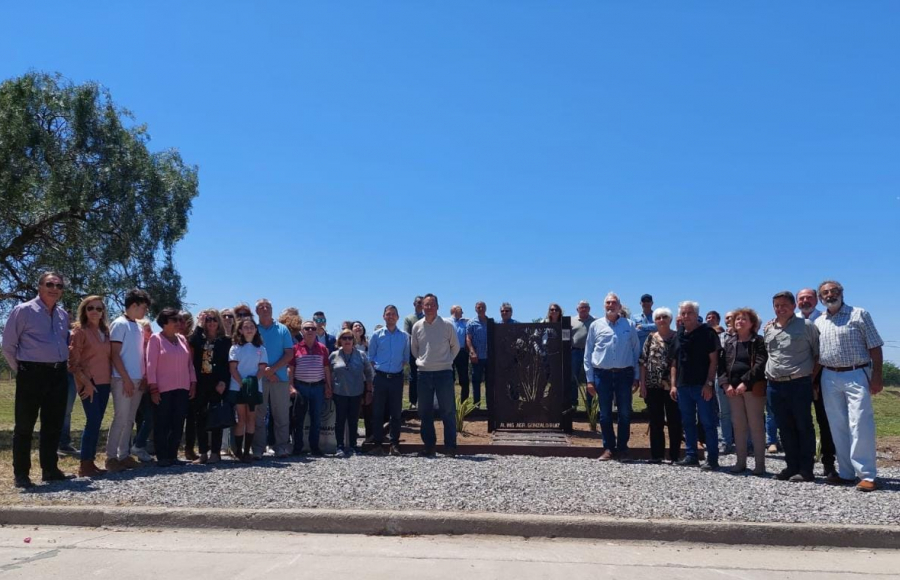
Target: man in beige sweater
x: 434, y: 345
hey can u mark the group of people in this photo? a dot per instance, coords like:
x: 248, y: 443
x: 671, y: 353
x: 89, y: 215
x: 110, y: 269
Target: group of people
x: 829, y: 360
x: 267, y: 375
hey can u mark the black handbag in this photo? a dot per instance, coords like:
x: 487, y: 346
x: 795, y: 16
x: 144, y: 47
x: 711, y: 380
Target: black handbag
x: 220, y: 416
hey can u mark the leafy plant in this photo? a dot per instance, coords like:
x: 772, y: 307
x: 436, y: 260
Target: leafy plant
x: 463, y: 408
x: 592, y: 410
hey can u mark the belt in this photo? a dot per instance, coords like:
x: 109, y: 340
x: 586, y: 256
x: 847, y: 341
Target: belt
x: 315, y: 384
x: 620, y: 370
x: 45, y: 365
x: 786, y: 379
x: 389, y: 375
x: 846, y: 369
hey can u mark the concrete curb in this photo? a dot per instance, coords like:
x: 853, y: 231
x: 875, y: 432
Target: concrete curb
x: 395, y: 523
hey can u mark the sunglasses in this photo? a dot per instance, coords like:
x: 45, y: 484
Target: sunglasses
x: 52, y: 285
x: 309, y: 329
x: 228, y: 316
x: 93, y: 308
x: 319, y: 320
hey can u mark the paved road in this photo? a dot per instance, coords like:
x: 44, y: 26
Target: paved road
x: 55, y: 552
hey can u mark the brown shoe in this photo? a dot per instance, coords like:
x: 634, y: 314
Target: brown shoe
x: 88, y: 469
x: 130, y: 462
x: 607, y: 455
x: 113, y: 465
x: 866, y: 485
x: 190, y: 455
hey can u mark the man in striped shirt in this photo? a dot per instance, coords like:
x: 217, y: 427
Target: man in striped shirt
x: 312, y: 383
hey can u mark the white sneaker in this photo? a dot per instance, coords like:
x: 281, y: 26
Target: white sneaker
x: 141, y: 454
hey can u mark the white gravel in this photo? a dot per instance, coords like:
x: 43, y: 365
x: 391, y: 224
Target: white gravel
x: 488, y: 483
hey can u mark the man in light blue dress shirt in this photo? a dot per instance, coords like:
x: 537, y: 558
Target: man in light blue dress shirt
x: 461, y: 362
x: 388, y: 352
x: 643, y: 322
x: 611, y: 357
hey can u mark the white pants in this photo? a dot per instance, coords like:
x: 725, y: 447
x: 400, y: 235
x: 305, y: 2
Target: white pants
x: 277, y: 399
x: 848, y: 405
x: 118, y: 445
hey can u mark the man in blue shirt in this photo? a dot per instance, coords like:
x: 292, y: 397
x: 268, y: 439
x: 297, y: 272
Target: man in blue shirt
x: 506, y: 310
x: 476, y: 344
x: 388, y: 352
x: 643, y: 322
x: 611, y: 357
x: 461, y: 362
x: 327, y: 340
x: 276, y: 388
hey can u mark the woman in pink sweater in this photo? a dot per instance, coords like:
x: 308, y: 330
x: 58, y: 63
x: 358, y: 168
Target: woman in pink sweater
x: 173, y: 381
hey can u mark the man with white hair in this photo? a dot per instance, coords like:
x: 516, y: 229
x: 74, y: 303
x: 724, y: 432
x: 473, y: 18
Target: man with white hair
x: 696, y: 359
x: 851, y: 358
x: 612, y: 349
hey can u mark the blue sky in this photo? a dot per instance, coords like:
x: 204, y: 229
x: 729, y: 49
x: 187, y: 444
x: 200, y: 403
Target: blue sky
x: 354, y: 154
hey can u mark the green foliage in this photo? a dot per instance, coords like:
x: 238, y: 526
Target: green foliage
x: 463, y: 408
x: 592, y: 410
x: 82, y: 194
x: 891, y: 374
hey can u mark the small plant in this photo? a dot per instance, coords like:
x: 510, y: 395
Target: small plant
x: 463, y: 408
x: 592, y: 410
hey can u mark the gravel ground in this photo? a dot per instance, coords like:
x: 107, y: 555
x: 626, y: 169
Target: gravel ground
x: 488, y: 483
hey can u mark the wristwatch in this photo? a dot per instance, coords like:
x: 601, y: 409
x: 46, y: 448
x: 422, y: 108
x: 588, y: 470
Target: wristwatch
x: 710, y: 384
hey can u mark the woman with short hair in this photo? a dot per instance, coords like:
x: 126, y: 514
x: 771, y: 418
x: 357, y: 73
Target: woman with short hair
x: 657, y: 362
x: 90, y: 363
x: 173, y: 383
x: 248, y: 361
x: 742, y: 365
x: 352, y: 377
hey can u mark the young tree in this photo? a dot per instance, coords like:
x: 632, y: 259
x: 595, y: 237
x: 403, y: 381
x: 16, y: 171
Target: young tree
x: 82, y: 194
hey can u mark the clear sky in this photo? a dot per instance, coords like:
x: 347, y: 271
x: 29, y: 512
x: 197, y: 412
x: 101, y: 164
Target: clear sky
x: 354, y: 154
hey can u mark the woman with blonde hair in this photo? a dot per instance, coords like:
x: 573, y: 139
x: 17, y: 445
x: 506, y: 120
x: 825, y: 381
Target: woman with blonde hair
x: 290, y: 317
x: 90, y: 362
x: 742, y: 365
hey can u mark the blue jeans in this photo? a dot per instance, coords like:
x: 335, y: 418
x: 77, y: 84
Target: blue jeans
x: 691, y: 404
x: 791, y: 401
x: 65, y: 438
x: 771, y: 425
x: 725, y: 426
x: 438, y: 383
x: 479, y: 370
x: 310, y: 398
x: 616, y: 384
x: 93, y: 413
x: 145, y: 425
x: 387, y: 401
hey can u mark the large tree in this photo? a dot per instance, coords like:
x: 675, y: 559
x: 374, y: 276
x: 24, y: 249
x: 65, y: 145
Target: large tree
x: 82, y: 194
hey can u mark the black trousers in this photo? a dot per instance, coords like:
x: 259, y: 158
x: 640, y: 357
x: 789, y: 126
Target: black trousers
x: 824, y: 433
x: 168, y: 423
x: 198, y: 410
x: 663, y: 412
x: 461, y: 368
x: 40, y: 390
x: 413, y: 381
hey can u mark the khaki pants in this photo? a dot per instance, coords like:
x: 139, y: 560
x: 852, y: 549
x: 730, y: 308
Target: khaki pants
x: 749, y: 410
x: 118, y: 445
x: 277, y: 400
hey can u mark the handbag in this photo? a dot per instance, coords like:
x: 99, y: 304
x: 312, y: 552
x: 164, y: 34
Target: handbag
x: 220, y: 416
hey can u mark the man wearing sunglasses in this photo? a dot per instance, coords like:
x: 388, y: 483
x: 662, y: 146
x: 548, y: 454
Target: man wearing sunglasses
x: 325, y: 339
x: 35, y: 346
